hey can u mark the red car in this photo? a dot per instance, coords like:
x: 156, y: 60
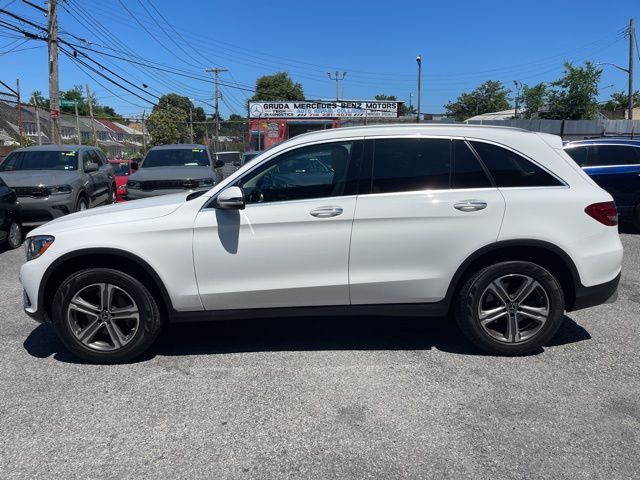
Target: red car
x: 122, y: 169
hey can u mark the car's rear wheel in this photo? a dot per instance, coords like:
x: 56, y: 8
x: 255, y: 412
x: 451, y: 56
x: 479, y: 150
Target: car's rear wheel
x: 105, y: 316
x: 82, y: 204
x: 511, y: 308
x: 14, y: 236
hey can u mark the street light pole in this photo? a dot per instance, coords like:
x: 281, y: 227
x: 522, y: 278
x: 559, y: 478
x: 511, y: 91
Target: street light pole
x: 419, y: 60
x: 631, y: 44
x: 518, y: 85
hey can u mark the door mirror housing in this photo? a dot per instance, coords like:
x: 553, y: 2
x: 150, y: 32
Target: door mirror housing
x: 91, y: 167
x: 231, y: 198
x: 135, y: 165
x: 218, y: 164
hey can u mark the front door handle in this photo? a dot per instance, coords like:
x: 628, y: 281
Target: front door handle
x: 470, y: 205
x: 326, y: 212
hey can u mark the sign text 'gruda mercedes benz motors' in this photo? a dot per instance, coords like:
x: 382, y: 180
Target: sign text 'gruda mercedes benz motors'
x: 322, y: 109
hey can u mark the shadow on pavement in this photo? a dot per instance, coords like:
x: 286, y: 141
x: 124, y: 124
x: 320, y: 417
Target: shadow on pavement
x: 301, y: 334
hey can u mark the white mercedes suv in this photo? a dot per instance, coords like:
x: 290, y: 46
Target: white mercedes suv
x: 496, y: 226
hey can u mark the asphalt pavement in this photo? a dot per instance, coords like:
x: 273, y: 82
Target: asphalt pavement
x: 325, y: 398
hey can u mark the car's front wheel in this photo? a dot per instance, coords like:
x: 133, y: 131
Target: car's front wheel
x: 14, y: 235
x: 105, y: 316
x: 511, y: 308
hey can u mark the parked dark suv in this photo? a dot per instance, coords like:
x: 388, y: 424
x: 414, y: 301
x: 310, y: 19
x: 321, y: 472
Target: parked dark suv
x: 10, y: 228
x: 54, y: 180
x: 614, y: 164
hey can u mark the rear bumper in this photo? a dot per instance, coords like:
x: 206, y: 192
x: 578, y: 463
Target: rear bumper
x: 596, y: 295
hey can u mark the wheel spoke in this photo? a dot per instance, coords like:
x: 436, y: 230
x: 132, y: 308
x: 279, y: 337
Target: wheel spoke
x: 498, y: 290
x: 513, y: 329
x: 80, y: 305
x: 527, y: 287
x: 488, y: 316
x: 539, y: 314
x: 87, y: 333
x: 106, y: 295
x: 125, y: 312
x: 117, y: 337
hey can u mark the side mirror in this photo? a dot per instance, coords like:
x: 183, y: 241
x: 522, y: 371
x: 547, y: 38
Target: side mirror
x: 231, y: 198
x: 91, y: 167
x: 218, y: 164
x: 135, y: 165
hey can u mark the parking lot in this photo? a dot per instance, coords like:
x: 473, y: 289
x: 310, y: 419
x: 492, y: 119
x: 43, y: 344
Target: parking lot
x: 325, y: 398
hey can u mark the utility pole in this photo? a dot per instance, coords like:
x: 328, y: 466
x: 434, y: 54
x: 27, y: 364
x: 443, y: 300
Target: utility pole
x: 217, y: 71
x: 337, y: 79
x: 20, y: 130
x: 518, y: 85
x: 54, y: 87
x: 410, y: 100
x: 191, y: 122
x: 75, y: 104
x: 93, y: 124
x: 35, y: 105
x: 419, y: 60
x: 631, y: 44
x: 144, y: 135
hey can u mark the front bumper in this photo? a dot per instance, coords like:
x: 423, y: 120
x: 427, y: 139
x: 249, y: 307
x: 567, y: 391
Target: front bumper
x: 596, y: 295
x: 37, y: 211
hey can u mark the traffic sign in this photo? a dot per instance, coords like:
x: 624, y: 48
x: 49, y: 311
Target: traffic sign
x: 67, y: 103
x: 55, y: 113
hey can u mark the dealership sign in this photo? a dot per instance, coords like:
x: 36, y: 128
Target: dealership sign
x: 316, y: 109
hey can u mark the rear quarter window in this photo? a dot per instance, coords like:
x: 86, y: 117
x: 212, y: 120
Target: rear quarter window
x: 509, y: 169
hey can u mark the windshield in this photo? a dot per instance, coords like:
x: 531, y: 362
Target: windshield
x: 41, y: 160
x: 182, y: 157
x: 120, y: 169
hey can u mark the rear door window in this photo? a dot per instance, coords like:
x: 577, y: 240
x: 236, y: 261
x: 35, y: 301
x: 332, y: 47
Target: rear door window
x: 467, y: 170
x: 411, y: 164
x: 509, y: 169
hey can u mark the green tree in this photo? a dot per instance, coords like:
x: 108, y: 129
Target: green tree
x: 533, y: 99
x: 620, y: 101
x: 278, y: 86
x: 234, y: 127
x: 167, y: 125
x: 404, y: 109
x: 40, y: 100
x: 574, y: 95
x: 491, y: 96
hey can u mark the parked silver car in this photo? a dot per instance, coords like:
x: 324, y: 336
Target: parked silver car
x: 54, y: 180
x: 173, y: 168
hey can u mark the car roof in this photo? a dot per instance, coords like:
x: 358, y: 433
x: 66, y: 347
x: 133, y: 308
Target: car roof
x: 179, y: 146
x: 605, y: 141
x: 53, y: 148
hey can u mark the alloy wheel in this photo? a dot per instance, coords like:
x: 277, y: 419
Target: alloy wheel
x: 15, y: 235
x: 103, y: 317
x: 513, y: 308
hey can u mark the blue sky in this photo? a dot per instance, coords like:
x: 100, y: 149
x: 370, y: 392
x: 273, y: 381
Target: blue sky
x: 463, y: 43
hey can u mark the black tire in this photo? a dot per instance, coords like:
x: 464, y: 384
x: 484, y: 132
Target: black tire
x: 141, y: 338
x: 474, y: 290
x: 15, y: 228
x: 112, y: 195
x: 79, y: 204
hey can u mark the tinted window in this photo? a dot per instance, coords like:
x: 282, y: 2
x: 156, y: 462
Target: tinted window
x: 120, y: 169
x: 579, y: 154
x: 467, y: 170
x: 309, y: 172
x: 89, y: 156
x: 179, y: 157
x: 41, y: 160
x: 603, y: 155
x: 408, y: 164
x: 510, y: 169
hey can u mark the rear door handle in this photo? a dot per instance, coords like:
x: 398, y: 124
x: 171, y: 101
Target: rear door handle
x: 326, y: 212
x: 470, y: 205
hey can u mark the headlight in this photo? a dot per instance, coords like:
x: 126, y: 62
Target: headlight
x: 205, y: 182
x: 59, y: 190
x: 133, y: 184
x: 36, y: 246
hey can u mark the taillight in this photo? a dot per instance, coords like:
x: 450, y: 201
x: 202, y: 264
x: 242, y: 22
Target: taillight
x: 604, y: 212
